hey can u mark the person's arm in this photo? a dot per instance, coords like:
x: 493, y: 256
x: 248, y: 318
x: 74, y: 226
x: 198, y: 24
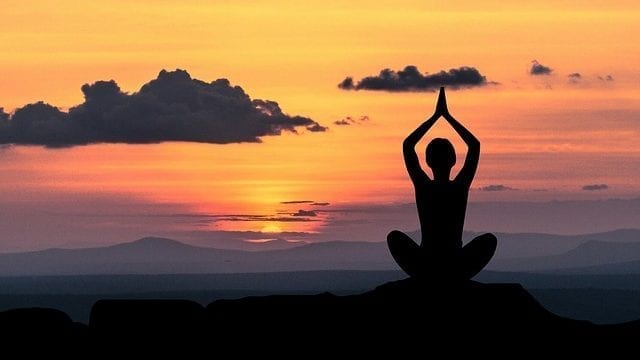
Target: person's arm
x: 409, y: 149
x: 468, y: 170
x: 470, y: 166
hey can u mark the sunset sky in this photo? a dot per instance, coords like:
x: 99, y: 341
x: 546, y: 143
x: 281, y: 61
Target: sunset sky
x: 560, y: 147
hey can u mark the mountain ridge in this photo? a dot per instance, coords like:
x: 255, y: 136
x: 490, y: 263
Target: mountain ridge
x: 161, y: 255
x: 154, y: 255
x: 588, y: 254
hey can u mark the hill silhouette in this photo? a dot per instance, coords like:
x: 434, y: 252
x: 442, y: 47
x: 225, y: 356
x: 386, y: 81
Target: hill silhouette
x: 526, y: 245
x: 594, y: 254
x: 150, y: 243
x: 154, y: 255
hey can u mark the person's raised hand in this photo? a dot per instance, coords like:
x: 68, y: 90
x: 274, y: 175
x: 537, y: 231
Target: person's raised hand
x: 441, y: 105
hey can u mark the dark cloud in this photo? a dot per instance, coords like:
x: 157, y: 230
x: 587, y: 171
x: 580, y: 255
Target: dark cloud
x: 4, y: 124
x: 172, y: 107
x: 539, y: 69
x: 606, y: 78
x: 498, y: 187
x: 595, y: 187
x: 268, y: 218
x: 320, y: 204
x: 209, y: 218
x: 410, y: 79
x: 309, y: 213
x: 310, y: 202
x: 574, y: 77
x: 349, y: 120
x: 317, y: 128
x: 347, y: 84
x: 35, y: 123
x: 4, y: 117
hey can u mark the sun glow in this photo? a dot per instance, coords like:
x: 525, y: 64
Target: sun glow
x: 271, y: 228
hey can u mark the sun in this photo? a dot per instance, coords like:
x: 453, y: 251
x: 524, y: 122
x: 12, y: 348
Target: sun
x: 271, y: 228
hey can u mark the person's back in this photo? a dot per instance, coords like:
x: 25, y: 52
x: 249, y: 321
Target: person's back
x: 441, y: 204
x: 441, y: 209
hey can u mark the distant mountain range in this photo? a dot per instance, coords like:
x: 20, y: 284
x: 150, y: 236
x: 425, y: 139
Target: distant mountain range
x: 617, y: 251
x: 165, y: 256
x: 589, y: 256
x: 619, y: 268
x: 523, y: 245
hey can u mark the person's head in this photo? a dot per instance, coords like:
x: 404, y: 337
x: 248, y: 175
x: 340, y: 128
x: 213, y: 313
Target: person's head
x: 440, y: 155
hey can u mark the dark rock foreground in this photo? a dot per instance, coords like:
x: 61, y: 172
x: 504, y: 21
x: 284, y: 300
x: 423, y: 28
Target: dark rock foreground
x: 403, y: 313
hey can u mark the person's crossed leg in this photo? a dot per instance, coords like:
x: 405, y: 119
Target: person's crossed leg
x: 460, y: 265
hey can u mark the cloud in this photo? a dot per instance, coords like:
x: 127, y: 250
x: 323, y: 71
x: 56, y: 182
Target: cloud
x: 606, y: 78
x: 311, y: 202
x: 320, y: 204
x: 410, y: 79
x: 35, y: 123
x: 4, y: 124
x: 498, y: 187
x: 205, y: 219
x: 301, y: 212
x: 539, y: 69
x: 4, y: 117
x: 172, y: 107
x: 349, y: 120
x: 347, y: 84
x: 252, y: 217
x: 595, y: 187
x: 317, y: 128
x: 268, y: 218
x: 574, y: 77
x: 344, y: 122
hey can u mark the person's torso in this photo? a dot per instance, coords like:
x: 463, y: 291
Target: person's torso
x: 441, y: 208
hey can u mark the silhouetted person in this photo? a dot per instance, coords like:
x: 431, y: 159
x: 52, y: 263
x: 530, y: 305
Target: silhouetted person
x: 441, y: 206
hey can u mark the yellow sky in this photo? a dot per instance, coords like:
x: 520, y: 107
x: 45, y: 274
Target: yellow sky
x: 537, y: 132
x: 275, y: 48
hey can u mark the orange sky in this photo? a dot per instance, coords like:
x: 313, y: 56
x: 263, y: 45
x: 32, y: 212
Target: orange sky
x: 537, y: 132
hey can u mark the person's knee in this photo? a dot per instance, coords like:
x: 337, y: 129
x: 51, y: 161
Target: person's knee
x: 399, y: 240
x: 488, y: 241
x: 394, y: 236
